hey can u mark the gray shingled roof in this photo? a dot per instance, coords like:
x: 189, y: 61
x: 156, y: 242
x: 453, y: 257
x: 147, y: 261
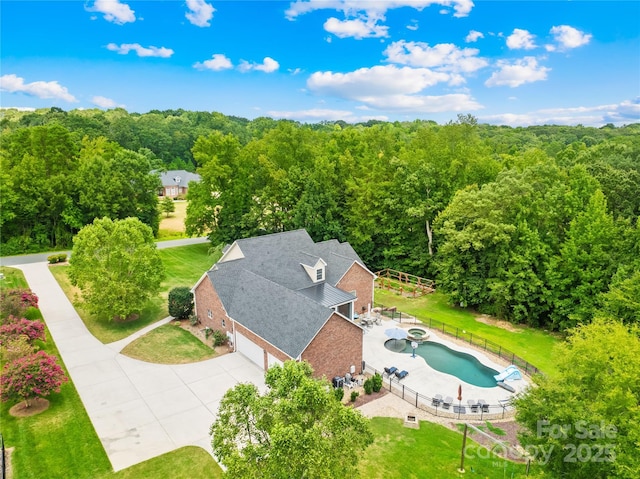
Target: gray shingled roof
x: 168, y: 178
x: 269, y: 292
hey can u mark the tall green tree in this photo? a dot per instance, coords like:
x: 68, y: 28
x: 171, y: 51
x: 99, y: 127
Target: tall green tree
x: 585, y: 423
x: 117, y: 266
x: 296, y: 429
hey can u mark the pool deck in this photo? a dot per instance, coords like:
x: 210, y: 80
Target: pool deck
x: 423, y: 378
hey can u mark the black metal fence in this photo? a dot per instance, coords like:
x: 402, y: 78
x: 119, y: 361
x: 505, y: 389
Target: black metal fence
x: 462, y: 335
x: 456, y: 410
x: 3, y: 464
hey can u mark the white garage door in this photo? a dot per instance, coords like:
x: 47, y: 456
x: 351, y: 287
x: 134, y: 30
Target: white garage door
x: 250, y: 349
x: 271, y: 360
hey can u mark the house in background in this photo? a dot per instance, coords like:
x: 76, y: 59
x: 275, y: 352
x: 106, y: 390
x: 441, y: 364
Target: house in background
x: 283, y: 296
x: 176, y: 182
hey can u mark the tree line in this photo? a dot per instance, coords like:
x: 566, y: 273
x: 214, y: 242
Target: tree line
x: 537, y: 225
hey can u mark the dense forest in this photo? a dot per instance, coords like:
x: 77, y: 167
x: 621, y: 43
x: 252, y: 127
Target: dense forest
x: 538, y: 225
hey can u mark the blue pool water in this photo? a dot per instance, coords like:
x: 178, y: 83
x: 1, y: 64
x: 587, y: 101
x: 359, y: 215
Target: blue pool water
x: 462, y: 365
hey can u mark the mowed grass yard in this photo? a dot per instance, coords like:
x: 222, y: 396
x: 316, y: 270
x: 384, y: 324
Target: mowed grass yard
x: 432, y: 451
x: 184, y: 265
x: 533, y: 345
x: 172, y: 226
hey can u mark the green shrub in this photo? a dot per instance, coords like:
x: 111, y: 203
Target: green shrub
x: 376, y: 381
x: 62, y: 257
x: 219, y: 337
x: 194, y: 320
x: 180, y: 302
x: 368, y: 386
x: 354, y: 395
x: 339, y: 393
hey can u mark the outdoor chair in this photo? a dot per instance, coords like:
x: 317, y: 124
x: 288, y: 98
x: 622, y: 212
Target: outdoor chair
x: 473, y: 405
x: 446, y: 404
x: 437, y: 400
x: 402, y: 374
x: 483, y: 405
x: 390, y: 371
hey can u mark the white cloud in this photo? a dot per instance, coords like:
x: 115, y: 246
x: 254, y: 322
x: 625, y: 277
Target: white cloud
x: 114, y: 11
x: 473, y: 36
x: 567, y: 38
x: 200, y: 12
x: 268, y: 65
x: 392, y: 88
x: 619, y: 114
x: 362, y: 17
x: 52, y: 89
x: 350, y: 7
x: 521, y: 40
x: 424, y: 104
x: 104, y: 102
x: 319, y: 114
x: 217, y: 62
x: 358, y: 28
x: 150, y: 51
x: 378, y: 80
x: 444, y: 56
x: 294, y: 71
x: 413, y: 26
x: 525, y: 70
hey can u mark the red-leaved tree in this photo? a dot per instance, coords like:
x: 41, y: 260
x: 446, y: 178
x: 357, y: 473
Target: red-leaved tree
x: 15, y: 327
x: 32, y: 376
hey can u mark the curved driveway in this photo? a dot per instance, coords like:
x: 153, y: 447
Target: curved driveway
x: 139, y: 410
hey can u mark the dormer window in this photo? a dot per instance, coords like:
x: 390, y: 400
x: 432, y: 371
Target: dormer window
x: 316, y: 271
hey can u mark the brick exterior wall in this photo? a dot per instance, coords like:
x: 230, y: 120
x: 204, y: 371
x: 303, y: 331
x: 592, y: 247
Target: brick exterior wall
x: 360, y: 280
x: 207, y: 299
x: 335, y: 348
x: 266, y: 347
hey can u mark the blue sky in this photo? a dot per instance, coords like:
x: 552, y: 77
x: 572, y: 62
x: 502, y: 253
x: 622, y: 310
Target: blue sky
x: 516, y: 63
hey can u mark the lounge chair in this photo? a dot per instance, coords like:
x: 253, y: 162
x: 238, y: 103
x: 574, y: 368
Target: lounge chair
x: 483, y: 405
x: 446, y: 404
x: 401, y: 374
x: 473, y: 405
x: 506, y: 386
x: 437, y: 400
x: 390, y: 371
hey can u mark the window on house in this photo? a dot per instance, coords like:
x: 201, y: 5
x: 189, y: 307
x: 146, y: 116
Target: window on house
x: 209, y: 314
x: 223, y: 323
x: 319, y: 274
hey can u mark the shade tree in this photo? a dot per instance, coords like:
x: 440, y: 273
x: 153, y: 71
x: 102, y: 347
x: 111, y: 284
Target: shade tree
x: 117, y: 267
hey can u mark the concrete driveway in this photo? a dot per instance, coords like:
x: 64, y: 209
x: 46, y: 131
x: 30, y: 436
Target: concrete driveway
x: 139, y: 410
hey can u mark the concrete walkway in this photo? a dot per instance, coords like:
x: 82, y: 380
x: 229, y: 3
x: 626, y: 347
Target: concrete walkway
x: 139, y: 410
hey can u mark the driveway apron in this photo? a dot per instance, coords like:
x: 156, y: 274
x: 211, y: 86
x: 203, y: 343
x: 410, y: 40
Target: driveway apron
x: 139, y: 410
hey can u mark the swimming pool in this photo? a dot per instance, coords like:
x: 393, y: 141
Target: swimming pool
x: 462, y: 365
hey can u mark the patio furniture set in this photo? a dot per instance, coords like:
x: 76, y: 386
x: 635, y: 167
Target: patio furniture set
x: 447, y: 402
x: 393, y: 371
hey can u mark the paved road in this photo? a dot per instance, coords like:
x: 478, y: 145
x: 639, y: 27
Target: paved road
x: 42, y: 257
x: 139, y: 410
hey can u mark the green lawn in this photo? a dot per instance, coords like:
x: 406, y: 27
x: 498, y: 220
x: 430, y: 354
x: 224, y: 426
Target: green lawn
x: 185, y: 463
x: 183, y: 265
x: 533, y: 345
x: 433, y: 451
x: 169, y: 344
x: 13, y: 278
